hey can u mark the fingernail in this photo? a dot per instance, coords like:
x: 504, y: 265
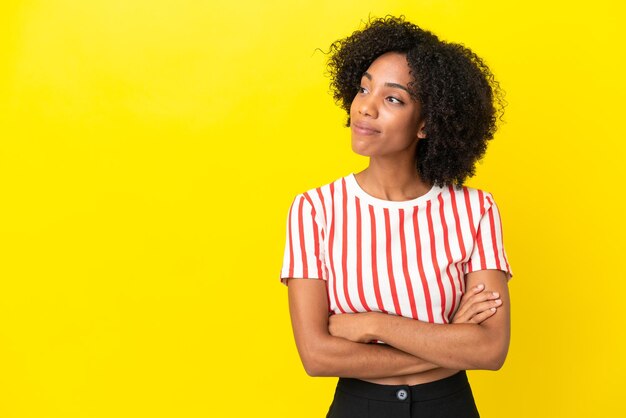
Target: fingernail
x: 480, y: 286
x: 498, y: 301
x: 496, y: 295
x: 493, y: 309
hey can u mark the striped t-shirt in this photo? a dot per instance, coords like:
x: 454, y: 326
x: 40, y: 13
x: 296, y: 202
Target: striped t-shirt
x: 406, y: 258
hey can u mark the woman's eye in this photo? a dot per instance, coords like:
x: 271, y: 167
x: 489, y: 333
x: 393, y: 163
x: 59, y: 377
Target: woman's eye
x: 362, y: 89
x: 394, y: 100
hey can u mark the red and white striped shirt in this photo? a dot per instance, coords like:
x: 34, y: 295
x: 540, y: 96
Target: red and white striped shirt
x: 406, y: 258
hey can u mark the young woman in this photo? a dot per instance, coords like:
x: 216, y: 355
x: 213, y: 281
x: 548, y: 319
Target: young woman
x: 410, y: 271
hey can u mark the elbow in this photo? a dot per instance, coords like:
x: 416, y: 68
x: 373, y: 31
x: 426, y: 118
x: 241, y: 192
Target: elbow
x: 495, y: 362
x: 487, y: 361
x: 316, y: 367
x: 495, y: 356
x: 492, y: 355
x: 310, y: 363
x: 312, y: 358
x: 313, y: 368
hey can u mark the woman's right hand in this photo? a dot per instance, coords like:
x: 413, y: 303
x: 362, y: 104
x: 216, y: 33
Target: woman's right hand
x: 476, y: 306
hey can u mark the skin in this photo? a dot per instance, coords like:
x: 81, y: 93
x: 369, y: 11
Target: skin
x: 386, y: 125
x: 324, y: 354
x: 457, y: 346
x: 393, y: 126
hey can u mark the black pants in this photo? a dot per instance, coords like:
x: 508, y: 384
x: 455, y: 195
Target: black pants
x: 450, y: 397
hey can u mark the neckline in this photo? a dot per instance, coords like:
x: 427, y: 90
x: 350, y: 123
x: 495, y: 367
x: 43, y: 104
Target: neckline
x: 354, y: 187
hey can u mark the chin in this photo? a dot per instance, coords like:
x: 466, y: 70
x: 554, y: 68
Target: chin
x: 361, y: 150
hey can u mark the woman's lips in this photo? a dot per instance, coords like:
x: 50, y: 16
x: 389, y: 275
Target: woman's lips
x: 363, y: 129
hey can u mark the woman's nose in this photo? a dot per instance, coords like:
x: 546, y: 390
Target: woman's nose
x: 367, y: 107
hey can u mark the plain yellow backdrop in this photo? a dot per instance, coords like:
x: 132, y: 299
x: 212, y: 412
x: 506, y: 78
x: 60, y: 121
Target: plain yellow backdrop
x: 150, y: 150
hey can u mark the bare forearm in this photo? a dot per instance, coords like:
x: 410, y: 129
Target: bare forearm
x: 456, y: 346
x: 325, y: 355
x: 333, y: 356
x: 464, y: 344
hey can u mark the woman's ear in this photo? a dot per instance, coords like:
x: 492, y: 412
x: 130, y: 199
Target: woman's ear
x: 421, y: 133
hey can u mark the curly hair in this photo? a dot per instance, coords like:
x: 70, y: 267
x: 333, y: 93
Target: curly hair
x: 460, y: 99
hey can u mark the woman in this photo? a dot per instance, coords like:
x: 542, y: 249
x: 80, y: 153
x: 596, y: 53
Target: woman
x: 410, y: 264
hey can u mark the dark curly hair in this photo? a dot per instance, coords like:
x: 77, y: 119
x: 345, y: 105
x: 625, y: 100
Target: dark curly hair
x: 460, y: 99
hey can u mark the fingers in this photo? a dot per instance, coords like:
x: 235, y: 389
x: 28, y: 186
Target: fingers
x: 465, y: 299
x: 478, y: 297
x: 477, y: 319
x: 476, y: 289
x: 478, y: 292
x: 484, y: 296
x: 475, y: 295
x: 473, y: 291
x: 477, y: 305
x: 481, y: 307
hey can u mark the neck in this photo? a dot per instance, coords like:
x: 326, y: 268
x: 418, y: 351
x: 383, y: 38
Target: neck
x: 391, y: 180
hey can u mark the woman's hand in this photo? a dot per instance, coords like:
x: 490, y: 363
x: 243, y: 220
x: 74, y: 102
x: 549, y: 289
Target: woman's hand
x: 476, y: 306
x: 477, y: 339
x: 352, y: 326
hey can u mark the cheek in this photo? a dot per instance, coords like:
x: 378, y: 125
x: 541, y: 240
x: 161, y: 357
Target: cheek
x: 401, y: 131
x: 399, y: 123
x: 407, y: 124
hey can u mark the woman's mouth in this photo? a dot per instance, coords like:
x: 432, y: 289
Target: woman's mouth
x: 363, y: 128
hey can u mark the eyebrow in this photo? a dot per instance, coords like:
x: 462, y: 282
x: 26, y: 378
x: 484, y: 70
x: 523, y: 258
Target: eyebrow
x: 396, y: 85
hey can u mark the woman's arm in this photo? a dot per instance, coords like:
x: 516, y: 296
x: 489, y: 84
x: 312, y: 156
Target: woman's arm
x: 456, y: 346
x: 325, y: 355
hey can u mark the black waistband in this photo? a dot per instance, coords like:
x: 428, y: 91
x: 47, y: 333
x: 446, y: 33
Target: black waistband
x: 421, y: 392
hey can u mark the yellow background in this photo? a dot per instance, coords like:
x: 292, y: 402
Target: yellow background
x: 149, y: 153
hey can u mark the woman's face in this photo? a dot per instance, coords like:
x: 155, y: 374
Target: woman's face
x: 385, y: 121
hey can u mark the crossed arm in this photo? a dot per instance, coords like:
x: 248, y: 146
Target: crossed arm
x: 333, y: 346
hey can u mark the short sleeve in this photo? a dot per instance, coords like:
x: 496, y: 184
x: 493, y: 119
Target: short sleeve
x: 488, y: 252
x: 303, y: 245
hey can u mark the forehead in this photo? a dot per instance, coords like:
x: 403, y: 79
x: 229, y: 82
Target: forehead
x: 390, y: 67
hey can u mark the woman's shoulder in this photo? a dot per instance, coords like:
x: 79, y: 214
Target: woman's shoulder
x: 464, y: 190
x: 468, y: 197
x: 326, y: 189
x: 316, y: 201
x: 319, y: 197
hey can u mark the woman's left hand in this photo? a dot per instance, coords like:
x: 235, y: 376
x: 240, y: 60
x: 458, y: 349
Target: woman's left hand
x: 352, y: 326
